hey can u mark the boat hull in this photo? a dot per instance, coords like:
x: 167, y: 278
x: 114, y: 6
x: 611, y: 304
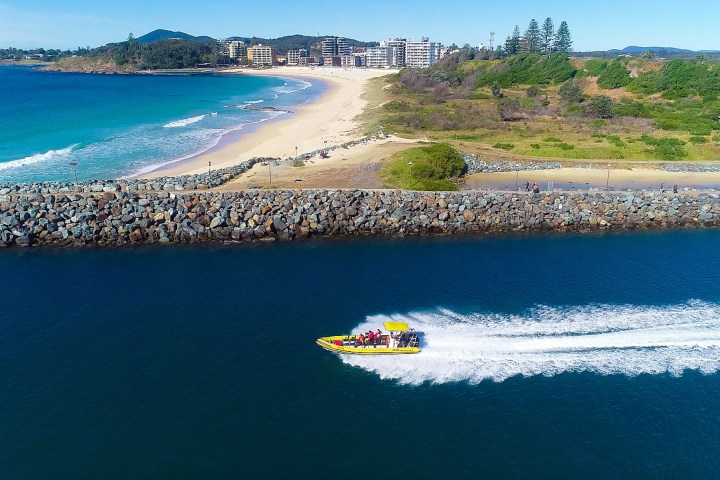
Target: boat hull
x: 330, y: 344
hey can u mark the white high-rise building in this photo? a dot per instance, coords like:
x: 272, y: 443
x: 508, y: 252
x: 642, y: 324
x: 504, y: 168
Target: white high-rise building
x: 422, y: 53
x: 397, y: 45
x: 378, y: 57
x: 237, y: 50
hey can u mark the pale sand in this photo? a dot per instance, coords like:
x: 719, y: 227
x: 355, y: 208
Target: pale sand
x: 584, y: 178
x: 331, y: 119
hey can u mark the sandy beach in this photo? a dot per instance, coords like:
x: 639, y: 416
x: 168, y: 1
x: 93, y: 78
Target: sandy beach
x: 585, y: 178
x: 328, y: 121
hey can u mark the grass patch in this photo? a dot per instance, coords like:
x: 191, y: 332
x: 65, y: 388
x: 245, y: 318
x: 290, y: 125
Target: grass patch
x: 552, y: 140
x: 431, y: 168
x: 504, y: 146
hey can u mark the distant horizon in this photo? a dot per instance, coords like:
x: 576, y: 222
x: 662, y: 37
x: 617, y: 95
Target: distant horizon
x: 643, y: 47
x: 30, y: 24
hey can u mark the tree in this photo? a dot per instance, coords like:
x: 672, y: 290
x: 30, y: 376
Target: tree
x: 547, y: 37
x: 532, y: 38
x: 512, y: 44
x: 563, y: 39
x: 496, y: 90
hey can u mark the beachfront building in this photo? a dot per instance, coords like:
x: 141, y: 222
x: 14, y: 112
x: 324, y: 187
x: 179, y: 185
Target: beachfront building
x: 378, y: 57
x: 335, y: 46
x: 422, y: 53
x: 261, y: 55
x: 397, y: 47
x: 293, y: 56
x: 237, y: 50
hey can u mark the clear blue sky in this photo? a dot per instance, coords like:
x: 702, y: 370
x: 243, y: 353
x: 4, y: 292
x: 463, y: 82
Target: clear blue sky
x: 596, y: 25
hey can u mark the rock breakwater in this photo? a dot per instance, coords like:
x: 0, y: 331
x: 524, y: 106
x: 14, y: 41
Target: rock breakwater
x: 119, y: 218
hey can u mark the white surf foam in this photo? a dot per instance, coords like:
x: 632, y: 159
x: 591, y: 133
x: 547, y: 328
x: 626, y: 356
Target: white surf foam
x: 184, y: 122
x: 603, y: 339
x: 252, y: 102
x: 208, y: 145
x: 296, y: 86
x: 39, y: 158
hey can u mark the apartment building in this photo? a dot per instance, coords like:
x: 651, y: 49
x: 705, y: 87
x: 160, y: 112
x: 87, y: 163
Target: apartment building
x: 397, y: 46
x: 293, y: 56
x: 378, y: 57
x: 237, y: 50
x: 261, y: 55
x: 422, y: 53
x: 335, y: 46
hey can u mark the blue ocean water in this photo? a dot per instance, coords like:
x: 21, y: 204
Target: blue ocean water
x: 544, y: 357
x: 118, y: 125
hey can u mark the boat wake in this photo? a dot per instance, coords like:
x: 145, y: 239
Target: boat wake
x: 602, y: 339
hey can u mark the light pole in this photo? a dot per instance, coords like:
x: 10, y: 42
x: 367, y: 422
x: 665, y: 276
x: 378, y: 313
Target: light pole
x: 209, y: 163
x: 74, y: 167
x: 270, y: 171
x: 296, y: 155
x: 517, y: 174
x: 607, y: 184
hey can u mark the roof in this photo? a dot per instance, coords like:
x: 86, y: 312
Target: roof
x: 396, y: 326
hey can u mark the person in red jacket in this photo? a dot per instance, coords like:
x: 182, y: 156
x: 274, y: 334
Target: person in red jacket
x: 361, y: 340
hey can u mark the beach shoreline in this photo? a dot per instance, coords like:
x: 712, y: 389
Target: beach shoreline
x: 327, y: 121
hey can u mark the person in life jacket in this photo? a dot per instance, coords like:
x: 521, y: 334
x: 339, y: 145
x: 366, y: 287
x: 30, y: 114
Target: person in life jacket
x: 371, y: 338
x: 378, y: 336
x: 361, y: 340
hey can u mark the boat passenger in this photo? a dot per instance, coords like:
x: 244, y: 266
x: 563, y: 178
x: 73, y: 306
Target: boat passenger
x: 360, y: 340
x: 378, y: 337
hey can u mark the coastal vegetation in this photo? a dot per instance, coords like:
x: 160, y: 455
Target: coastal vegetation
x: 554, y: 106
x: 435, y: 167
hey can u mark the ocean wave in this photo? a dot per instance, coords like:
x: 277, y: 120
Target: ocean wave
x: 297, y: 86
x: 184, y: 122
x: 253, y: 101
x: 208, y: 146
x: 602, y: 339
x: 39, y: 158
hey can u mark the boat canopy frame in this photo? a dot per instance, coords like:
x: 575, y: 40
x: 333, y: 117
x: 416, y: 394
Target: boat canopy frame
x: 396, y: 326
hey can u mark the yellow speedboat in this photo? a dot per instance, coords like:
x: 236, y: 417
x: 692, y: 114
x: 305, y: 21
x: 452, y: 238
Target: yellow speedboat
x: 399, y: 340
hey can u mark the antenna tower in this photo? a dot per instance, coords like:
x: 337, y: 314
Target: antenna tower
x: 492, y: 40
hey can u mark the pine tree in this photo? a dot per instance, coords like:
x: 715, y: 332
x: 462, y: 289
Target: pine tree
x: 547, y: 37
x: 563, y: 40
x: 532, y: 38
x: 515, y: 41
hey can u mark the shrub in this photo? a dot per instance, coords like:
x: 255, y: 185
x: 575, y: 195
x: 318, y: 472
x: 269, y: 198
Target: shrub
x: 496, y: 90
x: 533, y: 91
x: 600, y: 106
x: 510, y: 109
x: 504, y: 146
x: 571, y: 92
x: 536, y: 146
x: 565, y: 146
x: 615, y: 75
x: 552, y: 140
x: 698, y: 140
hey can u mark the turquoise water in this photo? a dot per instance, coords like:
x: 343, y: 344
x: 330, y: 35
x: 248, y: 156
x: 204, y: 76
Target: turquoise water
x: 543, y: 357
x: 119, y: 125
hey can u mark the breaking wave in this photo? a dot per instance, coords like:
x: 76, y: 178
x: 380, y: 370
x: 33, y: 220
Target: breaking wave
x: 602, y: 339
x: 184, y: 122
x: 296, y: 86
x: 39, y: 158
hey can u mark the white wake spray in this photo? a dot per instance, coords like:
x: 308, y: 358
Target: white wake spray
x: 603, y: 339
